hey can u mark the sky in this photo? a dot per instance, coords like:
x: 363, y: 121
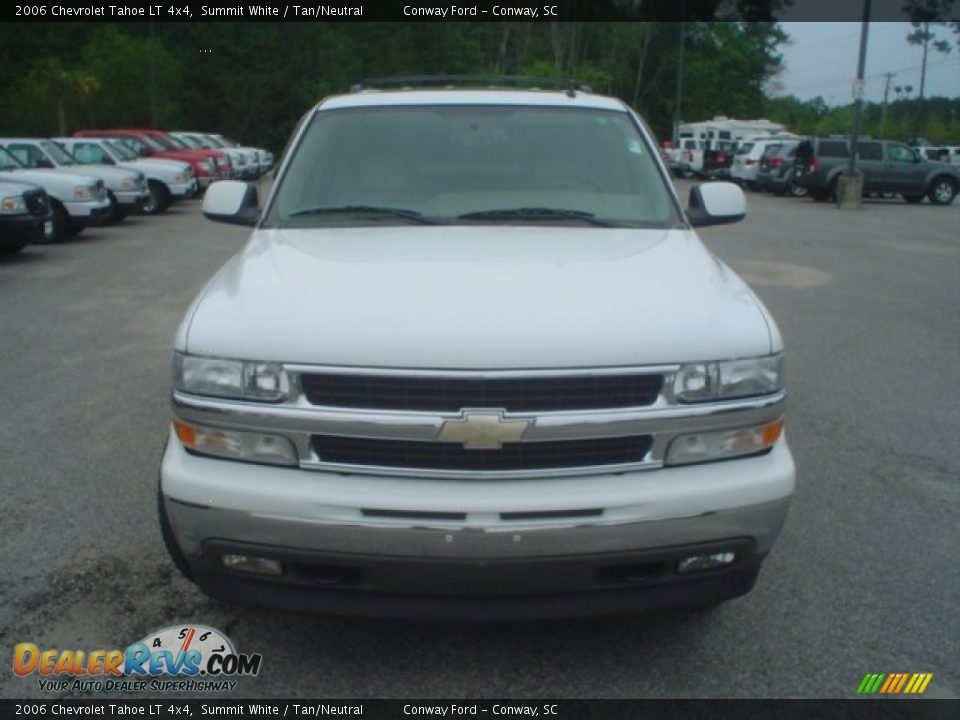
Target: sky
x: 821, y: 59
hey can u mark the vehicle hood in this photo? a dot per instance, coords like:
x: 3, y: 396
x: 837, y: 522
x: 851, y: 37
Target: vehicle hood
x: 16, y: 185
x: 157, y: 165
x: 481, y: 297
x: 109, y: 175
x: 52, y: 178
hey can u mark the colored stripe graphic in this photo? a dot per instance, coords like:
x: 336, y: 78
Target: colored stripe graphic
x: 894, y: 683
x: 870, y: 683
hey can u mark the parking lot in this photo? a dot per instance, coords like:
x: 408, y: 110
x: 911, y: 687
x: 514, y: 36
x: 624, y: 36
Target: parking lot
x: 864, y: 578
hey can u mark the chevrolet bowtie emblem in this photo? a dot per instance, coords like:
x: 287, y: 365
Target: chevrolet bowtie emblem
x: 482, y: 430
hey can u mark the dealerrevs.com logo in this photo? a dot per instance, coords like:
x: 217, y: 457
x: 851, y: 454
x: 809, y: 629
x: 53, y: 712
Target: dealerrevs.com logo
x: 180, y: 658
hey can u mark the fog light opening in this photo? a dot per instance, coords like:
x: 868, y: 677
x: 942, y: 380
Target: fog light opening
x: 695, y: 563
x: 252, y: 564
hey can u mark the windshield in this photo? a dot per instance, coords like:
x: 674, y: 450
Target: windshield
x: 176, y: 142
x: 190, y: 141
x: 478, y: 164
x: 8, y: 161
x: 118, y: 148
x: 213, y: 142
x: 59, y: 155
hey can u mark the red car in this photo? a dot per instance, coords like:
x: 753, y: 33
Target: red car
x: 208, y: 165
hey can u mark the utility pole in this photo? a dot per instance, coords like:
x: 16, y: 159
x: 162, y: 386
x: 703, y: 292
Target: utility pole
x: 153, y: 80
x: 923, y: 76
x: 679, y: 98
x: 850, y: 184
x: 883, y: 112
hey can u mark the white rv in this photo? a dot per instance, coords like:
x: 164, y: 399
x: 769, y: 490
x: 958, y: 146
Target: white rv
x: 720, y: 134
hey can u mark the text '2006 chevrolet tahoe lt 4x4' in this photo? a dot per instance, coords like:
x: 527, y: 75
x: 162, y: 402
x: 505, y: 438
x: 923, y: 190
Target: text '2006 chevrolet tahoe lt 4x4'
x: 475, y: 362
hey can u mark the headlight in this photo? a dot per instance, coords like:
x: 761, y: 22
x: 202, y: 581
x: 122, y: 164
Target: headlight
x: 127, y: 184
x: 13, y: 205
x: 177, y: 178
x: 723, y: 444
x: 728, y: 379
x: 245, y: 380
x: 236, y: 444
x: 83, y: 192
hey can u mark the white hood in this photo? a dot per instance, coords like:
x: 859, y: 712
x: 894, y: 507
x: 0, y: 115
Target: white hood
x: 486, y: 297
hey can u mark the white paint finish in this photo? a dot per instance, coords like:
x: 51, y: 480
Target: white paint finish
x: 723, y: 199
x: 224, y: 197
x: 477, y: 297
x: 648, y: 495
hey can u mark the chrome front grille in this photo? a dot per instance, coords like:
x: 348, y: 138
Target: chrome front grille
x: 452, y: 394
x: 597, y: 452
x: 479, y: 424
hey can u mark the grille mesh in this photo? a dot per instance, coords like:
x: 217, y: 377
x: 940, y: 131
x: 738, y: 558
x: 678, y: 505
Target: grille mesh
x: 441, y: 394
x: 453, y: 456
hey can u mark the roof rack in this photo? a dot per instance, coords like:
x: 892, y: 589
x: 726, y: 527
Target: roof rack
x: 414, y: 82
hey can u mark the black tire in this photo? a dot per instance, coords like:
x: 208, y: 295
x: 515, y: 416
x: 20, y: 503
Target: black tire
x: 170, y: 541
x: 942, y: 190
x: 832, y: 190
x: 60, y: 222
x: 116, y: 214
x: 913, y: 199
x: 158, y: 200
x: 11, y: 249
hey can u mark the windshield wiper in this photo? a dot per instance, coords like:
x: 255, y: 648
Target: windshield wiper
x: 367, y: 209
x: 535, y: 213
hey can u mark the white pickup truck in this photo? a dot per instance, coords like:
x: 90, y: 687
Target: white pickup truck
x: 76, y: 200
x: 475, y: 361
x: 126, y: 189
x: 168, y: 181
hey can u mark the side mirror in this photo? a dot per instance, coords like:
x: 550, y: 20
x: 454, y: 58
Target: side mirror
x: 232, y: 201
x: 716, y: 203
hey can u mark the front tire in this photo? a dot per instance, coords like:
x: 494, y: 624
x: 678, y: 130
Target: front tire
x: 8, y: 250
x: 158, y: 199
x: 942, y: 191
x: 60, y: 221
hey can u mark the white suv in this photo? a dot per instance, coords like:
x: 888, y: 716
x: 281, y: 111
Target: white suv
x: 475, y: 361
x: 746, y: 161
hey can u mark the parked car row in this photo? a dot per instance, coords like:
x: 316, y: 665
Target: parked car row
x: 787, y: 164
x: 51, y: 188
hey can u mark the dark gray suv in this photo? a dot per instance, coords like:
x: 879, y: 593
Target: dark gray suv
x: 887, y: 167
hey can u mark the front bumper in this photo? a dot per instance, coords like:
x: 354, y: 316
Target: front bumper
x: 131, y: 199
x: 179, y: 191
x: 18, y: 230
x: 87, y: 213
x: 360, y: 544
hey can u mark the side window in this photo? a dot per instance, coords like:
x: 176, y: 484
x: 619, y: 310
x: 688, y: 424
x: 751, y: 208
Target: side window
x: 833, y: 148
x: 90, y: 153
x: 29, y: 156
x: 900, y: 153
x: 869, y: 151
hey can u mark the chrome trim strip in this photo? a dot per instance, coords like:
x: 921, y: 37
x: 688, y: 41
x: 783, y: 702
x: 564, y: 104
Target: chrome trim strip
x: 481, y: 374
x: 314, y: 463
x: 422, y: 426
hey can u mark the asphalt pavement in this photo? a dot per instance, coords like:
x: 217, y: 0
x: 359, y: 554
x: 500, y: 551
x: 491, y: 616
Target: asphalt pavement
x: 864, y: 579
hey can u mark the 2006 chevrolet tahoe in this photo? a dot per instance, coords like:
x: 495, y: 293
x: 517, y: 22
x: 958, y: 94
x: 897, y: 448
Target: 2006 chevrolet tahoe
x: 475, y: 362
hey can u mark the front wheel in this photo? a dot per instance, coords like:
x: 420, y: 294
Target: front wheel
x: 158, y: 198
x: 11, y: 249
x: 57, y: 227
x: 942, y: 191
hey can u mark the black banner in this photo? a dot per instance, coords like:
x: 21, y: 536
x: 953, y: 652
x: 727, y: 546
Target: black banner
x: 469, y: 10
